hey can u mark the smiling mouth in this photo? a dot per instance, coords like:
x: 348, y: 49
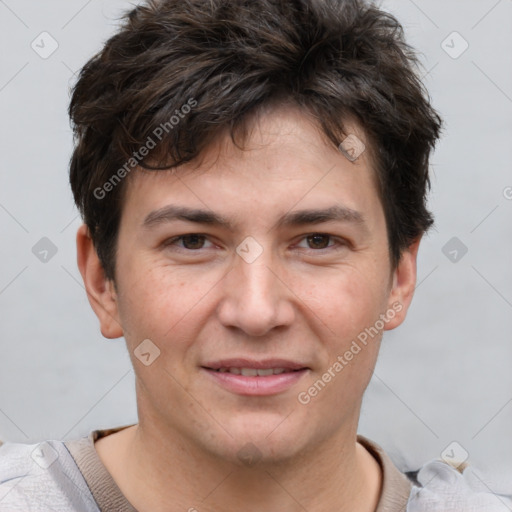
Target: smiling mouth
x: 251, y: 378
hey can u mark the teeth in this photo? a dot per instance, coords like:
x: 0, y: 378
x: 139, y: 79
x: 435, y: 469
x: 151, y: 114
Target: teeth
x: 263, y: 373
x: 253, y: 372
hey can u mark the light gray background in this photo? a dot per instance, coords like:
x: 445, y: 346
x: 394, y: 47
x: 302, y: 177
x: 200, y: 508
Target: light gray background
x: 443, y: 376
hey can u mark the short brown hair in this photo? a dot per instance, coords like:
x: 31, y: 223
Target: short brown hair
x: 210, y: 64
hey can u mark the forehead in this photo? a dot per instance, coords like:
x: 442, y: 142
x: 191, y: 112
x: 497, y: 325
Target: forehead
x: 284, y: 158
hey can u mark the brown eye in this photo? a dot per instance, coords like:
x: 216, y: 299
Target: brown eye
x: 318, y: 241
x: 322, y: 244
x: 193, y: 241
x: 190, y: 242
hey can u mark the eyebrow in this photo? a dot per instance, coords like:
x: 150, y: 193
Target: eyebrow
x: 295, y: 218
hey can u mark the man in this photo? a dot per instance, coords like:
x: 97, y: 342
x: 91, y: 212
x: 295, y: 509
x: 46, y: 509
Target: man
x: 252, y: 178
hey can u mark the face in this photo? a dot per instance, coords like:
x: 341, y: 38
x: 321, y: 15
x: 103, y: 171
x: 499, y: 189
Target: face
x: 245, y: 264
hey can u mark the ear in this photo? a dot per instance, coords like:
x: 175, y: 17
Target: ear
x: 404, y: 283
x: 100, y: 291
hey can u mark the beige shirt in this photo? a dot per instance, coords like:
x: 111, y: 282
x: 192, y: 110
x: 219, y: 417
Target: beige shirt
x: 396, y: 487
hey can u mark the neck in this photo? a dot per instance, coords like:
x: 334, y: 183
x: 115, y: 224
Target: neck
x: 339, y: 475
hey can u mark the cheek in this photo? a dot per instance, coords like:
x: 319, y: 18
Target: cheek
x: 344, y: 313
x: 157, y: 302
x: 345, y: 301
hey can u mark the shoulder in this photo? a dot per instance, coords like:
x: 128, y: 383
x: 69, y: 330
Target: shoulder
x: 42, y: 476
x: 441, y: 486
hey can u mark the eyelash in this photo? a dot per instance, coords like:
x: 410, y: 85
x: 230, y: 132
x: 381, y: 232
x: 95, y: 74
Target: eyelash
x: 339, y: 241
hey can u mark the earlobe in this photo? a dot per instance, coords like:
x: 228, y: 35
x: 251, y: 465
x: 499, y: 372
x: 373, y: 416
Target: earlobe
x: 100, y: 291
x: 404, y: 283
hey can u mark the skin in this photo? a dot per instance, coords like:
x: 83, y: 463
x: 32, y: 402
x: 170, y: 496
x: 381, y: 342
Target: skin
x: 298, y: 300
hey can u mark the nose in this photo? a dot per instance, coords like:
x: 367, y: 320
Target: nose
x: 255, y: 298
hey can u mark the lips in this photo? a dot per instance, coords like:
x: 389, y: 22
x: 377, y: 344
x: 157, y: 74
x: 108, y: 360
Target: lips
x: 250, y: 377
x: 254, y: 372
x: 249, y: 366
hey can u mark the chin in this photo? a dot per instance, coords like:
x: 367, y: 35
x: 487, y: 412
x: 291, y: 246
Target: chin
x: 266, y: 437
